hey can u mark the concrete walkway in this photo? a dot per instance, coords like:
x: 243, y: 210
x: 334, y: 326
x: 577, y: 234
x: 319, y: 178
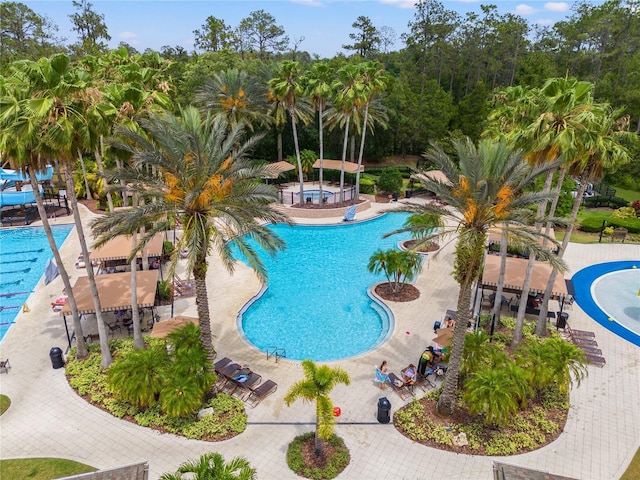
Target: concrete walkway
x: 47, y: 419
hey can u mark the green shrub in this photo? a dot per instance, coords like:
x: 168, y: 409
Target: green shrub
x: 595, y: 224
x: 598, y: 201
x: 334, y: 466
x: 167, y: 247
x: 625, y: 212
x: 390, y: 180
x: 164, y: 290
x: 367, y: 186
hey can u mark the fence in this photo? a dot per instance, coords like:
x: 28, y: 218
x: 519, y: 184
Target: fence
x: 312, y: 197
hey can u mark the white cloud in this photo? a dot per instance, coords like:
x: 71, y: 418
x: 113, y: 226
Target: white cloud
x: 556, y: 6
x: 400, y: 3
x: 127, y: 35
x: 309, y: 3
x: 523, y: 9
x: 544, y: 22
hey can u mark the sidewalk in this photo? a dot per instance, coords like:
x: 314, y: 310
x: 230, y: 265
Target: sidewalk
x: 47, y: 419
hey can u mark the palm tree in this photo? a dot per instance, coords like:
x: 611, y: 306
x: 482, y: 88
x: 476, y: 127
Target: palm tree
x: 318, y: 383
x: 51, y: 101
x: 212, y: 466
x: 319, y: 88
x: 234, y: 95
x: 349, y: 92
x: 399, y: 266
x: 485, y: 191
x: 566, y: 361
x: 375, y: 79
x: 286, y: 85
x: 205, y: 179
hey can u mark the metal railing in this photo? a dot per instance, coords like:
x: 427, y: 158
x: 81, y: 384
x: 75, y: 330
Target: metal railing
x: 276, y: 353
x: 331, y: 198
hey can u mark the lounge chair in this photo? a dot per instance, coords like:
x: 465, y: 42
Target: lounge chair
x: 596, y: 360
x: 582, y: 342
x: 183, y: 288
x: 229, y: 369
x: 220, y: 364
x: 243, y: 381
x: 579, y: 333
x: 399, y: 387
x: 590, y: 350
x: 262, y: 391
x: 5, y: 366
x: 423, y: 381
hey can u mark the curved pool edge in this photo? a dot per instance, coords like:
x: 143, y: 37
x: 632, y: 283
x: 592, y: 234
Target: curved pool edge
x: 582, y: 283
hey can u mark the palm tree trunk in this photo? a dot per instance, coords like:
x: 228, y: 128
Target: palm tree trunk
x: 497, y: 304
x: 320, y: 173
x: 138, y: 342
x: 344, y: 157
x: 279, y: 141
x: 125, y: 201
x: 81, y: 347
x: 318, y: 441
x: 98, y: 154
x: 292, y: 112
x: 565, y: 242
x: 352, y: 148
x: 361, y: 153
x: 102, y: 331
x: 84, y: 175
x: 202, y: 305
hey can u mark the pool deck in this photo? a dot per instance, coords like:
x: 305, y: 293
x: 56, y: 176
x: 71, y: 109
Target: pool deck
x: 47, y: 419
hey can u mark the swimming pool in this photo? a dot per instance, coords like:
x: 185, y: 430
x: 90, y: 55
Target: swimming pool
x: 610, y: 294
x: 316, y: 305
x: 23, y: 255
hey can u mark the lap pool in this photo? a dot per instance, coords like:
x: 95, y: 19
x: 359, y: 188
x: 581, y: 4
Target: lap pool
x: 23, y: 255
x: 610, y: 294
x: 316, y: 304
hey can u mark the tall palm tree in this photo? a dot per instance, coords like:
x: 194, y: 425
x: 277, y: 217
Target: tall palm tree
x: 234, y: 95
x: 484, y: 192
x: 52, y: 103
x: 602, y: 145
x: 318, y: 383
x: 375, y: 79
x: 319, y: 80
x: 349, y: 93
x: 286, y: 85
x: 212, y: 466
x: 205, y: 179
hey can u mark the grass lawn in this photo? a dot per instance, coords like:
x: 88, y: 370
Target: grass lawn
x: 41, y: 468
x: 633, y: 472
x: 628, y: 195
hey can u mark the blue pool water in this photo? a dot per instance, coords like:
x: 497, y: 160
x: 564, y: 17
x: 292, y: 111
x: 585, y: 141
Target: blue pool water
x: 23, y: 255
x: 610, y: 294
x: 316, y: 305
x: 315, y: 194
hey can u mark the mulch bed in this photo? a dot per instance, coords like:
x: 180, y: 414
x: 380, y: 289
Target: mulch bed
x: 408, y: 293
x: 463, y: 417
x: 308, y: 448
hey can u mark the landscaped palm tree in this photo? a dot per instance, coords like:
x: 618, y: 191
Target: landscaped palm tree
x: 318, y: 383
x: 286, y: 85
x: 206, y: 181
x: 399, y: 266
x: 319, y: 82
x: 375, y: 79
x: 212, y: 466
x: 485, y: 191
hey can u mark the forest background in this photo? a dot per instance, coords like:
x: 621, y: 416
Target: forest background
x: 444, y: 75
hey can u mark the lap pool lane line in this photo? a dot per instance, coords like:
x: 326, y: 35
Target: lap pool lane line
x: 582, y: 282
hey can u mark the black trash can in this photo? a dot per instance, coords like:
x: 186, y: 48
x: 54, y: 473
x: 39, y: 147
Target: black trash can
x: 384, y: 407
x: 562, y: 320
x: 56, y: 357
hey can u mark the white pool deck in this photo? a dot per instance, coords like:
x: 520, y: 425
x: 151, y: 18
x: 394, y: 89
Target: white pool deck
x: 47, y: 419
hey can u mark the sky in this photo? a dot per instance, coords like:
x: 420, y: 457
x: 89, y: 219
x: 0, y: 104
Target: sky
x: 322, y: 26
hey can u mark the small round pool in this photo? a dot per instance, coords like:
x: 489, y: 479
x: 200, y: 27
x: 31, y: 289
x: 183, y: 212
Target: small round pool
x: 315, y: 194
x: 610, y: 294
x: 317, y: 304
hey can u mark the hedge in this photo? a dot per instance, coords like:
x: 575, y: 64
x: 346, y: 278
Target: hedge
x: 595, y: 224
x: 600, y: 201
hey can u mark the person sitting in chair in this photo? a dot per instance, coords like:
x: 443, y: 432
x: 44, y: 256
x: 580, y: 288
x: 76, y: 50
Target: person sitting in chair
x: 410, y: 375
x: 382, y: 377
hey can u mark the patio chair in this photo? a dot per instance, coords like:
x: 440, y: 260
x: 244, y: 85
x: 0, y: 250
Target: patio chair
x: 183, y: 288
x: 220, y: 364
x: 423, y: 381
x: 5, y: 366
x: 590, y: 350
x: 581, y: 342
x: 262, y: 391
x: 596, y: 360
x: 579, y: 333
x: 242, y: 382
x: 399, y: 387
x: 229, y: 369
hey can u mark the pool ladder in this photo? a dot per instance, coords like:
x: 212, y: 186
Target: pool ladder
x: 276, y: 352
